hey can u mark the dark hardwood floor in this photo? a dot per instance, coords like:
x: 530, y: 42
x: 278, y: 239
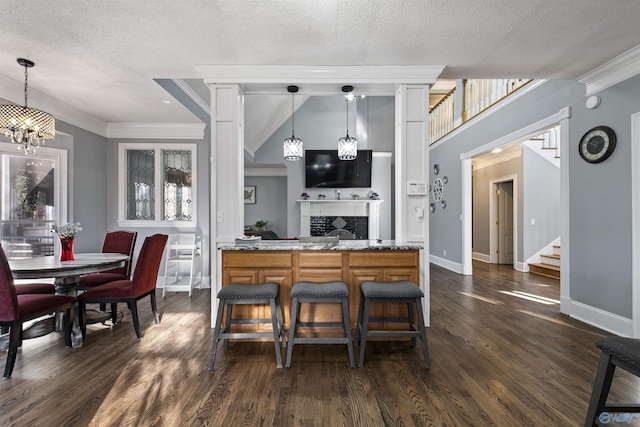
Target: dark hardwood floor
x: 496, y: 359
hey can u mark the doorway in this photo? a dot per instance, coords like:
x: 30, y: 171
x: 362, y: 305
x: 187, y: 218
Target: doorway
x: 504, y: 225
x: 503, y: 233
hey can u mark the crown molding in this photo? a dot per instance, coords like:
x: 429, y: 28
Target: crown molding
x: 156, y: 130
x: 14, y: 92
x: 620, y: 68
x: 318, y: 79
x: 189, y: 92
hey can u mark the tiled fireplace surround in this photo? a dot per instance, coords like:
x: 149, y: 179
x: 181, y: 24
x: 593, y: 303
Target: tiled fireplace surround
x: 360, y: 217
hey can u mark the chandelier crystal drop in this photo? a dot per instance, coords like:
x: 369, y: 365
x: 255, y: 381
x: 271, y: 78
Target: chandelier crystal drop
x: 27, y: 127
x: 347, y: 145
x: 292, y: 147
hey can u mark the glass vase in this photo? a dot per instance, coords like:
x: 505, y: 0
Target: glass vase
x: 67, y: 249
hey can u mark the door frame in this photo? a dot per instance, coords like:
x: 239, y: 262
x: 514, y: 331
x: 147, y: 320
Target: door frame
x: 493, y: 238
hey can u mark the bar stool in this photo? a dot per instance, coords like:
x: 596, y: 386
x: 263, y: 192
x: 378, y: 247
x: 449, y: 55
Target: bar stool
x: 314, y: 293
x: 236, y: 293
x: 616, y: 352
x: 401, y: 291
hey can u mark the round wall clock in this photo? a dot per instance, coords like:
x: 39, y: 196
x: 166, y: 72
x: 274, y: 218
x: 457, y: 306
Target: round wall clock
x: 598, y: 144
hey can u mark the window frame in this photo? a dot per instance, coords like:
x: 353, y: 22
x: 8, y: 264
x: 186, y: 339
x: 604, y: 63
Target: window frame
x: 60, y: 158
x: 157, y: 148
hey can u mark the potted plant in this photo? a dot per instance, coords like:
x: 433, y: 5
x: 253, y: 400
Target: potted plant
x: 261, y: 225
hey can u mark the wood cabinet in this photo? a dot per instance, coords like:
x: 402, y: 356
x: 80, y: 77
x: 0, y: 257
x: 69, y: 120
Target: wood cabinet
x: 289, y: 267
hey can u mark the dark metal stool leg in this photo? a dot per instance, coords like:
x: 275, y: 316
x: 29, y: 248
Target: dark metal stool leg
x: 216, y: 335
x: 276, y: 331
x: 423, y: 333
x: 365, y: 330
x: 295, y: 310
x: 347, y: 330
x: 601, y: 388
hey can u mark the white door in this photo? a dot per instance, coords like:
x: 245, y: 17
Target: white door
x: 504, y: 202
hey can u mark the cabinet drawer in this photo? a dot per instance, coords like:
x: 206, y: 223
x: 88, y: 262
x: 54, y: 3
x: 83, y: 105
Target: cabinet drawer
x: 256, y: 259
x: 314, y: 259
x: 383, y: 259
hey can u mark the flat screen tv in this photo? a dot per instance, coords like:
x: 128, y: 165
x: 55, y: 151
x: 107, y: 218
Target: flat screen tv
x: 323, y: 169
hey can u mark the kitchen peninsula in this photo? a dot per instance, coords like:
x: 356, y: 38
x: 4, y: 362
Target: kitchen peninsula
x: 350, y: 261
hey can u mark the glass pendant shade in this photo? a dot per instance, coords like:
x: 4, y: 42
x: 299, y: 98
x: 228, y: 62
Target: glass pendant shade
x: 292, y: 147
x: 347, y: 146
x: 26, y: 126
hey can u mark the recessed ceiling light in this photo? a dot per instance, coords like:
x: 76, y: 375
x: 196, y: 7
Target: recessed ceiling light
x: 166, y: 101
x: 497, y: 150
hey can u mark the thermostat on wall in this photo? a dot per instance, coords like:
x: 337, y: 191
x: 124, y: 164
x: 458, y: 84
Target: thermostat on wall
x: 416, y: 188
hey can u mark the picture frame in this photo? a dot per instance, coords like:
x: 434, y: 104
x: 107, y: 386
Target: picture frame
x: 250, y: 194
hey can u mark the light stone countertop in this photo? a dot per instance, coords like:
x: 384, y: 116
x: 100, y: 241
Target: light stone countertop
x: 343, y: 245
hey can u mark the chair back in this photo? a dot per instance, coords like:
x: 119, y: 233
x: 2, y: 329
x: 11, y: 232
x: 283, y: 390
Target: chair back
x: 120, y: 242
x: 8, y: 299
x: 145, y: 275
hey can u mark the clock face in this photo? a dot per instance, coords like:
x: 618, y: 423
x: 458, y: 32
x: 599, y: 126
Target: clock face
x: 598, y: 144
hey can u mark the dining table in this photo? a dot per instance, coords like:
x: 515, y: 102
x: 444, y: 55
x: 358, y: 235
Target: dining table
x: 66, y: 275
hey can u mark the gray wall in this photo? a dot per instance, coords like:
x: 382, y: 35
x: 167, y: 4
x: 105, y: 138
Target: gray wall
x: 600, y: 195
x: 541, y: 203
x: 320, y: 121
x: 271, y: 203
x: 87, y: 180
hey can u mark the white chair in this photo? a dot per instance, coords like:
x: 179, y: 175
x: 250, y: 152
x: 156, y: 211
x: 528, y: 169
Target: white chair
x: 183, y: 263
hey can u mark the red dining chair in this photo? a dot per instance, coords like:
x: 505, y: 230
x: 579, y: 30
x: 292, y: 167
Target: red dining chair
x: 142, y: 284
x: 16, y: 309
x: 35, y: 288
x: 115, y: 242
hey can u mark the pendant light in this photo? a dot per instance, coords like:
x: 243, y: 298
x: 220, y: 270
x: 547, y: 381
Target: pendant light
x: 292, y: 147
x: 347, y: 146
x: 27, y: 127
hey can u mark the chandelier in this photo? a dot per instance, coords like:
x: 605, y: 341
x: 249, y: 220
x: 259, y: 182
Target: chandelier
x: 347, y: 146
x: 27, y: 127
x: 292, y: 146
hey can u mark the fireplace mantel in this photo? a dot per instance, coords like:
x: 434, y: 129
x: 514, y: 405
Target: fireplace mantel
x: 331, y: 207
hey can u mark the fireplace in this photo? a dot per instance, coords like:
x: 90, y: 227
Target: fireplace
x: 356, y: 219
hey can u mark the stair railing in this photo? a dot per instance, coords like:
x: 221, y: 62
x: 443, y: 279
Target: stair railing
x: 478, y: 95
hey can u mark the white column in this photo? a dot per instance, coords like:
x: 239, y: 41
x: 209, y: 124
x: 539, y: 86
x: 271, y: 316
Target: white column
x: 412, y: 161
x: 227, y: 175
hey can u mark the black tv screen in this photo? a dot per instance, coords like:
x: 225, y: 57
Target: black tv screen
x: 324, y: 169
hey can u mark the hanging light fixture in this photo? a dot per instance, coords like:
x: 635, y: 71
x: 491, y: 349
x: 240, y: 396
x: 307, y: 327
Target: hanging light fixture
x: 347, y: 146
x: 26, y: 126
x: 292, y: 146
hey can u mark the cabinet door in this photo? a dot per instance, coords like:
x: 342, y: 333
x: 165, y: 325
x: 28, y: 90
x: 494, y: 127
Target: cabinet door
x: 398, y: 309
x: 323, y: 312
x: 283, y: 278
x: 243, y: 276
x: 356, y: 277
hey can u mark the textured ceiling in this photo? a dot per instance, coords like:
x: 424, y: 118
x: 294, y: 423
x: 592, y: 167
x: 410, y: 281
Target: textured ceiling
x: 102, y: 57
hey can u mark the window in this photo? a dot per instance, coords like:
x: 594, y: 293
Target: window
x: 33, y: 199
x: 142, y: 202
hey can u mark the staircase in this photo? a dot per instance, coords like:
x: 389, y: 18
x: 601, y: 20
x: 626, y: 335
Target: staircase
x: 549, y: 264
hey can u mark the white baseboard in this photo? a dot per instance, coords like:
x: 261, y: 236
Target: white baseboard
x: 521, y: 266
x: 481, y: 257
x: 456, y: 267
x: 604, y: 320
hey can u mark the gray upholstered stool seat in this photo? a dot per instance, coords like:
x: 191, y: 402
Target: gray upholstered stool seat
x: 616, y: 352
x: 314, y: 293
x: 237, y: 293
x: 401, y: 291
